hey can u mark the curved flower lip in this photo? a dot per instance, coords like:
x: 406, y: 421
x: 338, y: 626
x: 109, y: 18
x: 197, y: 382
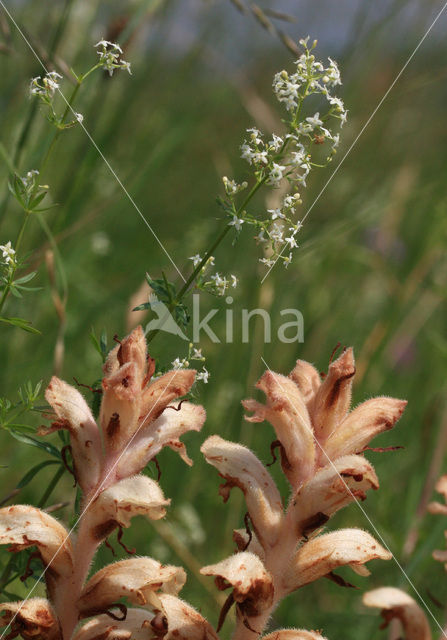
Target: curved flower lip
x: 307, y: 379
x: 32, y: 619
x: 287, y: 412
x: 74, y: 414
x: 294, y: 634
x: 251, y: 582
x: 332, y: 401
x: 184, y: 622
x: 398, y: 604
x: 241, y: 468
x: 139, y: 624
x: 23, y: 526
x: 131, y: 349
x: 362, y: 425
x: 162, y: 391
x: 166, y: 430
x: 321, y: 555
x: 248, y: 542
x: 332, y: 488
x: 136, y: 578
x: 114, y: 507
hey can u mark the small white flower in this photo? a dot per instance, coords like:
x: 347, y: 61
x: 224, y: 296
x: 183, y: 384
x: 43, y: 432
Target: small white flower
x: 287, y: 260
x: 343, y: 117
x: 247, y: 153
x: 276, y: 142
x: 292, y: 242
x: 255, y: 135
x: 8, y: 252
x: 275, y: 213
x: 314, y: 120
x: 276, y: 233
x: 196, y: 259
x: 105, y: 44
x: 236, y: 223
x: 276, y: 174
x: 335, y: 140
x: 260, y: 156
x: 180, y: 364
x: 267, y: 261
x: 303, y: 42
x: 79, y: 117
x: 234, y: 281
x: 197, y: 354
x: 203, y: 376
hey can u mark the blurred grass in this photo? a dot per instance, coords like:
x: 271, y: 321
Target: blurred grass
x: 370, y: 270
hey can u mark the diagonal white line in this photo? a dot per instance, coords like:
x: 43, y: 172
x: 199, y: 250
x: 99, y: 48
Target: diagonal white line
x: 355, y: 499
x: 362, y: 130
x: 87, y: 133
x: 81, y: 515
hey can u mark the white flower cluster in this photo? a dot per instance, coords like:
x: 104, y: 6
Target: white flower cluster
x: 193, y: 354
x: 45, y: 86
x: 110, y: 56
x: 215, y: 283
x: 9, y: 254
x: 308, y: 142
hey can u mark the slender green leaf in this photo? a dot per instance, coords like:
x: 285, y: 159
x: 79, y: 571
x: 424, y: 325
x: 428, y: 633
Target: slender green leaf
x: 33, y: 472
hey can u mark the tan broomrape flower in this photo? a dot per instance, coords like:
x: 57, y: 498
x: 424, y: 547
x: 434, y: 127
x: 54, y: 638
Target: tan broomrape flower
x: 320, y: 444
x: 395, y: 603
x: 136, y: 421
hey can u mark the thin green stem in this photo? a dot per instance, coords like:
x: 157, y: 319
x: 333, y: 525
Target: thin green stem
x: 49, y: 490
x: 60, y: 127
x: 7, y: 288
x: 208, y: 254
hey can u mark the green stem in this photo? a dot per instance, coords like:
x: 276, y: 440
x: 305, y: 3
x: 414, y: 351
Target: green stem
x: 49, y: 490
x: 207, y: 255
x: 7, y: 288
x: 60, y: 128
x: 26, y: 129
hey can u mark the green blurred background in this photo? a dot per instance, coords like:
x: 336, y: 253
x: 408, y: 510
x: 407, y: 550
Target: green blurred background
x: 370, y: 271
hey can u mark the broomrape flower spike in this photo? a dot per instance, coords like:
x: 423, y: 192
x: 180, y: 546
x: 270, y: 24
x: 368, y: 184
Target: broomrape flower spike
x: 134, y: 425
x: 286, y: 160
x: 321, y: 446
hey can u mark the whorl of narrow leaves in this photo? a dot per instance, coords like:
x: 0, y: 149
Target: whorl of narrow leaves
x: 320, y: 444
x: 135, y: 423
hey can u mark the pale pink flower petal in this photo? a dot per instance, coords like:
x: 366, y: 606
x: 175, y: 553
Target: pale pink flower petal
x: 294, y: 634
x: 251, y: 582
x: 165, y: 431
x: 321, y: 555
x: 32, y: 619
x: 74, y: 414
x: 136, y: 578
x: 286, y: 411
x: 398, y: 604
x: 332, y: 488
x: 22, y: 526
x: 241, y: 468
x: 333, y: 399
x: 139, y: 624
x: 184, y: 622
x: 114, y: 507
x: 307, y: 379
x: 363, y: 424
x: 162, y: 391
